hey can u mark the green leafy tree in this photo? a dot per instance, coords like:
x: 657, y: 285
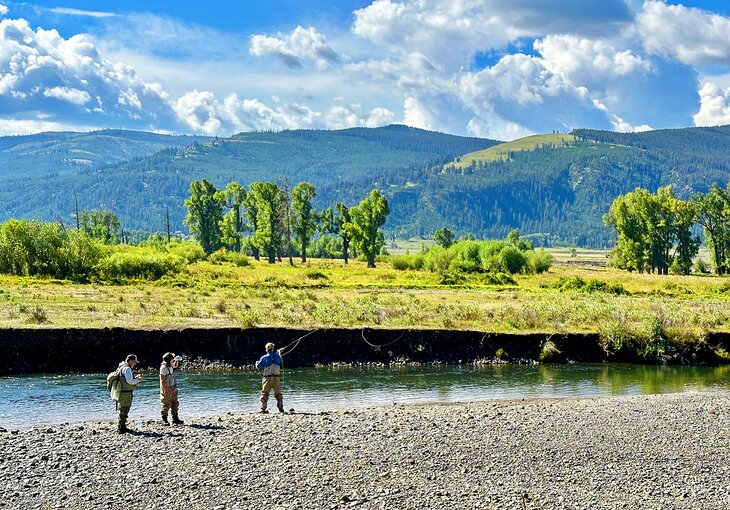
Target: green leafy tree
x: 443, y: 237
x: 649, y: 226
x: 101, y: 224
x: 205, y: 212
x: 252, y: 213
x: 268, y: 202
x: 630, y: 250
x: 687, y: 245
x: 712, y: 212
x: 232, y: 225
x: 304, y: 217
x: 341, y: 218
x: 364, y: 229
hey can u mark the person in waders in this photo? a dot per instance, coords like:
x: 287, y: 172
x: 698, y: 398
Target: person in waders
x: 128, y: 383
x: 168, y: 388
x: 271, y: 363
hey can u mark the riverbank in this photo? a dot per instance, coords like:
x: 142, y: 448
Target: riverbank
x: 649, y: 452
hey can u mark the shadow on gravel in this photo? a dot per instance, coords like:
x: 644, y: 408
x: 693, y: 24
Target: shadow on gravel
x: 206, y: 427
x: 144, y: 434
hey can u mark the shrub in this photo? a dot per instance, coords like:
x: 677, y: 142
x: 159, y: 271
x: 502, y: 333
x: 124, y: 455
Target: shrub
x: 404, y: 262
x: 512, y: 260
x: 539, y: 261
x: 576, y: 283
x: 138, y: 266
x: 191, y: 252
x: 549, y: 352
x: 232, y: 257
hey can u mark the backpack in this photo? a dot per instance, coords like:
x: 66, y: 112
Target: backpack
x: 114, y: 384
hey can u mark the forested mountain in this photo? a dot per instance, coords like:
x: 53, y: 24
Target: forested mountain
x: 63, y: 152
x: 554, y: 192
x: 140, y: 190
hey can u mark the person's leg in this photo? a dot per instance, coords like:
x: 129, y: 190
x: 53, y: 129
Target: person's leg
x: 278, y: 395
x: 174, y: 405
x: 265, y: 390
x: 165, y: 401
x: 122, y: 419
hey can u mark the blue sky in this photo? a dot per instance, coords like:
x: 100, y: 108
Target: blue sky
x: 493, y: 68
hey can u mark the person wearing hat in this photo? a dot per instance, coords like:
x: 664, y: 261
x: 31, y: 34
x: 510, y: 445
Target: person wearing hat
x: 168, y: 387
x: 271, y: 363
x: 129, y: 381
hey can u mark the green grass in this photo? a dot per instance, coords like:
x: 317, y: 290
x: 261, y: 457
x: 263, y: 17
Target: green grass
x: 502, y: 151
x: 651, y: 314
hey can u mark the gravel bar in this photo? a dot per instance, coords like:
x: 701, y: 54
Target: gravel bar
x: 634, y: 452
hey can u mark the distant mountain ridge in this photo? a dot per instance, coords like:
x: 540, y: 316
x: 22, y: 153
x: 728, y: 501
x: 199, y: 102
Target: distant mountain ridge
x: 66, y: 151
x: 556, y: 192
x: 142, y: 189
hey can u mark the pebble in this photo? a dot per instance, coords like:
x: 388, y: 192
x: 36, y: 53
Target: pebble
x: 660, y: 451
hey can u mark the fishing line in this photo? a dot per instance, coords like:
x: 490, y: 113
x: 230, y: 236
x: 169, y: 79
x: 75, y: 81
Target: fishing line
x: 378, y: 347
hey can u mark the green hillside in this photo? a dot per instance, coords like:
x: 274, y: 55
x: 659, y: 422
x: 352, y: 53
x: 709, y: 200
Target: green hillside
x: 140, y: 191
x: 556, y: 191
x: 63, y: 152
x: 505, y: 151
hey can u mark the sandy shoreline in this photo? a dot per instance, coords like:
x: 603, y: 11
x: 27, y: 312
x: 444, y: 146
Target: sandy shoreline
x: 659, y: 451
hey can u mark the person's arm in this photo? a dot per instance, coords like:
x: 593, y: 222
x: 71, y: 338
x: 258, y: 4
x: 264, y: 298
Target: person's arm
x: 263, y: 362
x: 163, y: 380
x: 129, y: 377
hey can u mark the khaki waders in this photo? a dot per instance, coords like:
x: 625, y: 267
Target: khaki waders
x: 270, y: 383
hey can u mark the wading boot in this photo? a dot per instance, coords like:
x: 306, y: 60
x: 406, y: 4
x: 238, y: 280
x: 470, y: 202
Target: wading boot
x: 176, y: 420
x: 164, y: 420
x: 264, y: 411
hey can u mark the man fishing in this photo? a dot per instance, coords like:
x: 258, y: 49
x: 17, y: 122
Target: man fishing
x: 271, y: 363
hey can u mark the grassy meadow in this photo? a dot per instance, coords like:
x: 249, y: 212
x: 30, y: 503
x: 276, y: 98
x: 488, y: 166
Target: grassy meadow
x: 503, y: 150
x: 623, y: 308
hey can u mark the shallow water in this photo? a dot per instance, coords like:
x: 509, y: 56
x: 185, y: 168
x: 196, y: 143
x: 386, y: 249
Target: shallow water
x: 33, y: 400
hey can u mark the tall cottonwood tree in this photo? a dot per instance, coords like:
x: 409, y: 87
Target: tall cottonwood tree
x: 101, y: 224
x: 712, y: 212
x: 268, y: 235
x: 649, y: 226
x: 232, y: 224
x: 252, y: 213
x: 205, y: 212
x: 364, y: 227
x: 303, y: 217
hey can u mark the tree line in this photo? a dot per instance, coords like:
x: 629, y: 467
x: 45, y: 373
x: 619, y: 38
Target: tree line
x: 270, y: 221
x: 655, y: 230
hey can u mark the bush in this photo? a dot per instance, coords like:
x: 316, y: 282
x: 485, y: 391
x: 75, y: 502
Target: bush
x: 512, y: 260
x: 191, y: 252
x: 123, y: 266
x: 404, y: 262
x: 232, y: 257
x: 539, y: 261
x: 576, y: 283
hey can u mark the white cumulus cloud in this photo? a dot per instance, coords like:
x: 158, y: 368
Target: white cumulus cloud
x: 303, y: 44
x: 74, y: 96
x: 69, y: 81
x: 714, y: 106
x: 3, y: 9
x: 692, y: 35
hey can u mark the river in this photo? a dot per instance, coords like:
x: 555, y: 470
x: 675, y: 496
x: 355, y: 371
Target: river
x: 28, y: 401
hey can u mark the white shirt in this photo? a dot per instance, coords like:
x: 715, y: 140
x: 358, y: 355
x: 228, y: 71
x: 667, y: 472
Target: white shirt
x: 128, y: 376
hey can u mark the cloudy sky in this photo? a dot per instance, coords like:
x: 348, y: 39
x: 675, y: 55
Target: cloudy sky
x: 493, y: 68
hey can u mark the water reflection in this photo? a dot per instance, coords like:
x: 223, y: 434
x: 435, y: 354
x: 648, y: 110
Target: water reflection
x: 31, y: 400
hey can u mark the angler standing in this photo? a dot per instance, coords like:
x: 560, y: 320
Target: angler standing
x: 271, y: 364
x: 168, y: 388
x: 128, y: 383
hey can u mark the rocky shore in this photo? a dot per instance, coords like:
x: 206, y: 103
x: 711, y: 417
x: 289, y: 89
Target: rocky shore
x: 637, y: 452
